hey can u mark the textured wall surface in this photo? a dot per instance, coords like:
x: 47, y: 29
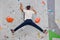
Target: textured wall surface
x: 10, y: 8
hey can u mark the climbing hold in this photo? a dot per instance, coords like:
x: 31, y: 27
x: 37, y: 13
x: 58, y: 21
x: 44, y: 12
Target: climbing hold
x: 6, y: 36
x: 50, y: 10
x: 38, y: 34
x: 37, y: 20
x: 58, y: 20
x: 18, y: 0
x: 0, y: 28
x: 53, y: 30
x: 9, y: 19
x: 43, y: 3
x: 12, y: 10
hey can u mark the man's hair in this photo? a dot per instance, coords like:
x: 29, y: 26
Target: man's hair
x: 28, y: 7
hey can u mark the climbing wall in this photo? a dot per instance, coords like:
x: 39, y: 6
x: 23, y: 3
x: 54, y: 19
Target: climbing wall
x: 11, y: 16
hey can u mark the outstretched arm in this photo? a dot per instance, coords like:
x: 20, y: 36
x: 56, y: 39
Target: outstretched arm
x: 34, y: 10
x: 21, y: 7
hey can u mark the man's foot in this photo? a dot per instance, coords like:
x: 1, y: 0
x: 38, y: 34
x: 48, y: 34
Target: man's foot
x: 45, y: 31
x: 12, y: 30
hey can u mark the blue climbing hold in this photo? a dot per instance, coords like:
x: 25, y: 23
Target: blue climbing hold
x: 50, y: 10
x: 18, y: 0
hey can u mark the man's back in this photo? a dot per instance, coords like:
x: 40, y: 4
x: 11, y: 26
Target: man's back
x: 28, y: 14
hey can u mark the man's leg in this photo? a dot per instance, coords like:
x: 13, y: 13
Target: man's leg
x: 36, y: 26
x: 21, y: 25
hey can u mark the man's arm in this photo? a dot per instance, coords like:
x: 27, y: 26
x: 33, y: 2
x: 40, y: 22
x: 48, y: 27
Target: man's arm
x: 21, y: 7
x: 34, y: 10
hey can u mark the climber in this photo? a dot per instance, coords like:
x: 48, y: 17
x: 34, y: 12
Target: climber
x: 28, y: 18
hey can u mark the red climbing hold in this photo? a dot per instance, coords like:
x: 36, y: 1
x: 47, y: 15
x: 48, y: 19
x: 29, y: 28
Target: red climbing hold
x: 43, y: 3
x: 9, y: 19
x: 37, y: 20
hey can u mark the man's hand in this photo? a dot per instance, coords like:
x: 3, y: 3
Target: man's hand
x: 21, y: 6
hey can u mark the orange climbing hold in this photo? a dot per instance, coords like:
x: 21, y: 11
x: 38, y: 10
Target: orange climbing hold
x: 0, y: 28
x: 37, y: 20
x: 9, y: 19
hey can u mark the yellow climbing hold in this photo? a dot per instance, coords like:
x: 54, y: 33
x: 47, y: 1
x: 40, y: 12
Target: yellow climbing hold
x: 38, y: 34
x: 58, y: 21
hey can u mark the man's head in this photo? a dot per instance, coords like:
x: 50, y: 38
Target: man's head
x: 28, y: 7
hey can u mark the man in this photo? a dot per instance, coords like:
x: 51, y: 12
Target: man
x: 28, y: 18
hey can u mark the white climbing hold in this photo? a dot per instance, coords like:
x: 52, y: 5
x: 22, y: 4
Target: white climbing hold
x: 53, y: 30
